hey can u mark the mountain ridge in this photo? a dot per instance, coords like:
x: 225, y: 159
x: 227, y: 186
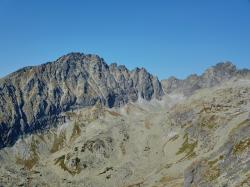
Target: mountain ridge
x: 212, y: 76
x: 72, y: 81
x: 33, y: 97
x: 79, y: 121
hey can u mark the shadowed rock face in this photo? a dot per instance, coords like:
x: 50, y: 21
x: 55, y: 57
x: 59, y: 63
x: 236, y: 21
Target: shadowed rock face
x: 213, y: 76
x: 33, y: 97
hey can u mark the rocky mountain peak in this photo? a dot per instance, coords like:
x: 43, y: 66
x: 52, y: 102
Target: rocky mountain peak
x: 32, y: 98
x: 213, y: 76
x: 221, y: 70
x: 224, y: 66
x: 79, y: 57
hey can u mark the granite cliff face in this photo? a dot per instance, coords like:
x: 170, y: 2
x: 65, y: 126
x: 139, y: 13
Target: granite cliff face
x: 34, y: 97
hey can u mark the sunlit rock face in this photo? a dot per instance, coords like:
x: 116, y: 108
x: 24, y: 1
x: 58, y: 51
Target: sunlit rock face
x: 80, y: 122
x: 34, y: 97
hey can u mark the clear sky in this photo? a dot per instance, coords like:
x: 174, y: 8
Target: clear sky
x: 167, y: 37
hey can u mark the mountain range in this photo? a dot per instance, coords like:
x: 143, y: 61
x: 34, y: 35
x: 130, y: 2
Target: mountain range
x: 78, y: 121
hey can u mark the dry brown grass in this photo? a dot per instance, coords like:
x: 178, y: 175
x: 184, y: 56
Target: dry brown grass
x: 138, y: 184
x: 75, y: 133
x: 59, y: 142
x: 116, y: 114
x: 212, y: 173
x: 242, y: 146
x: 147, y: 124
x: 61, y: 163
x: 212, y: 162
x: 34, y: 158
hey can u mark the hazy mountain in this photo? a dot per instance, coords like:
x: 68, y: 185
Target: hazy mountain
x: 80, y: 122
x: 213, y: 76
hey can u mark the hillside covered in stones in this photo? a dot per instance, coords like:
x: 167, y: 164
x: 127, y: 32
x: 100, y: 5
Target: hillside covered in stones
x: 78, y: 121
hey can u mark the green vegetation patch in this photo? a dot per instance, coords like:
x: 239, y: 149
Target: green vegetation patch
x: 187, y: 147
x: 209, y: 121
x: 212, y: 173
x: 213, y: 162
x: 241, y: 146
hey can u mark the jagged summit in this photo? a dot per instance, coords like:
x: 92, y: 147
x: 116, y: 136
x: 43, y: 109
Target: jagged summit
x: 212, y: 76
x: 34, y: 96
x: 74, y: 57
x: 224, y: 66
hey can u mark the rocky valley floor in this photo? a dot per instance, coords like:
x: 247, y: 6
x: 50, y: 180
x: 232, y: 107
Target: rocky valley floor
x: 199, y: 140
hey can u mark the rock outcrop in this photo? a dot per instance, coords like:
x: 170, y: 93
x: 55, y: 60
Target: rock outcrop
x: 33, y: 97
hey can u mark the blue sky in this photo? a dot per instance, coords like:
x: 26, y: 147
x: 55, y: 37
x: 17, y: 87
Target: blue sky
x: 167, y: 37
